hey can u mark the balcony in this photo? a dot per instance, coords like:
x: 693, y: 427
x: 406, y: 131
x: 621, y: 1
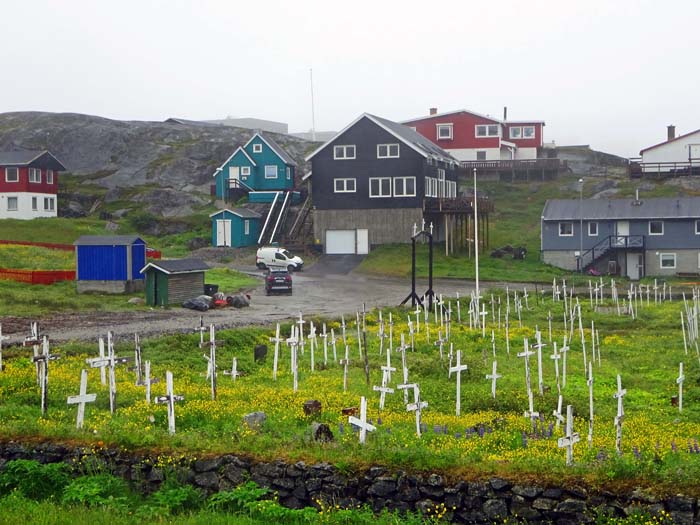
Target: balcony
x: 638, y: 169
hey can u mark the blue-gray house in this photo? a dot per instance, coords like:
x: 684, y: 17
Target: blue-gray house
x: 629, y: 237
x: 109, y: 263
x: 236, y: 227
x: 260, y: 168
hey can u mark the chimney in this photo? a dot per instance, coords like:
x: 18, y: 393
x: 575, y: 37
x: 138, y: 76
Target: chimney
x: 671, y: 131
x: 505, y: 113
x: 433, y: 111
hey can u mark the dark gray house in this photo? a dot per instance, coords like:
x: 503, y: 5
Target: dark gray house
x: 629, y: 237
x: 370, y: 183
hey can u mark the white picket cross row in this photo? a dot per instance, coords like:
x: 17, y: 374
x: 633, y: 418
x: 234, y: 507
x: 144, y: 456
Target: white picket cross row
x: 590, y: 403
x: 680, y: 380
x: 170, y: 399
x: 458, y: 369
x: 619, y: 395
x: 493, y: 376
x: 362, y: 423
x: 82, y: 398
x: 557, y: 413
x: 275, y: 359
x: 570, y: 438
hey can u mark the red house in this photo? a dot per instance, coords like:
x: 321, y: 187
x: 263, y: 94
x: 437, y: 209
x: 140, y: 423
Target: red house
x: 28, y: 184
x: 469, y: 136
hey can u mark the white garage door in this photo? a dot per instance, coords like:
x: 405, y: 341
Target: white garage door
x: 340, y: 241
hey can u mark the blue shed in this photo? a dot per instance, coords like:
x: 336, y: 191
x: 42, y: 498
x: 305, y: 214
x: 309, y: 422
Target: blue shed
x: 109, y: 263
x: 237, y: 227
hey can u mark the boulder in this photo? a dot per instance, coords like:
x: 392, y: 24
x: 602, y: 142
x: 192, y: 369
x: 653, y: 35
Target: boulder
x: 312, y: 407
x: 255, y: 420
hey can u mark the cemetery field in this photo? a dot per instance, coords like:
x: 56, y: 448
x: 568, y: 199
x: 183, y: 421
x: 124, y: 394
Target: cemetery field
x: 658, y: 444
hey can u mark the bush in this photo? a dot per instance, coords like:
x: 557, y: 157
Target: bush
x: 175, y: 498
x: 236, y: 500
x: 34, y: 480
x: 97, y: 490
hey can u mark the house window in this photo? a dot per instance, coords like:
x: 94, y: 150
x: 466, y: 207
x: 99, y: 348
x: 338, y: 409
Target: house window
x: 444, y: 131
x: 487, y: 130
x: 344, y: 152
x: 289, y: 173
x: 697, y: 227
x: 379, y: 187
x: 270, y: 172
x: 344, y: 185
x: 245, y: 171
x: 593, y: 229
x: 34, y: 175
x: 516, y: 133
x: 12, y: 204
x: 387, y: 151
x: 11, y: 174
x: 404, y: 187
x: 481, y: 155
x: 667, y: 260
x: 35, y: 206
x: 429, y: 187
x: 566, y: 229
x: 441, y: 183
x: 246, y: 227
x: 48, y: 204
x: 528, y: 132
x: 49, y: 176
x: 656, y: 227
x: 257, y: 148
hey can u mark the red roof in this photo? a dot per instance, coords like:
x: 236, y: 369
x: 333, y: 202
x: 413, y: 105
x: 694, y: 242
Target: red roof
x: 668, y: 141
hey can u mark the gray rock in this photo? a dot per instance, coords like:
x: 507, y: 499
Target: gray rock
x: 321, y: 432
x: 431, y: 491
x: 207, y: 480
x: 260, y: 351
x: 527, y: 491
x: 572, y: 506
x: 382, y: 487
x: 499, y: 484
x: 680, y: 502
x: 520, y: 508
x: 682, y: 518
x: 284, y: 483
x: 495, y: 509
x: 644, y: 496
x: 544, y: 504
x: 552, y: 493
x: 255, y: 420
x: 297, y: 470
x: 235, y: 474
x: 477, y: 488
x: 453, y: 498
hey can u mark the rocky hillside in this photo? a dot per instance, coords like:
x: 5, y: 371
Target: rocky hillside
x: 123, y: 154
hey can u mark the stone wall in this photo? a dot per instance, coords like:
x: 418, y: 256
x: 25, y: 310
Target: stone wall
x: 300, y: 485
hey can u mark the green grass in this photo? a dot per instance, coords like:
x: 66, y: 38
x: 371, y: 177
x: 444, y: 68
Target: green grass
x: 35, y: 258
x: 230, y: 281
x: 56, y: 229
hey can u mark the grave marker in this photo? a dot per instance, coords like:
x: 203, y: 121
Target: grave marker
x: 43, y: 361
x: 493, y: 376
x: 234, y: 373
x: 417, y: 406
x: 362, y: 423
x: 557, y: 413
x: 458, y: 369
x: 590, y: 403
x: 170, y: 399
x: 570, y: 438
x: 275, y: 360
x: 619, y: 418
x: 81, y: 398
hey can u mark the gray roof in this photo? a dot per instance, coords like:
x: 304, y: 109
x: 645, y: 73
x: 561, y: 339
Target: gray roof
x: 409, y: 135
x: 243, y: 213
x: 178, y: 265
x: 23, y: 158
x: 592, y: 209
x: 106, y: 240
x: 277, y: 149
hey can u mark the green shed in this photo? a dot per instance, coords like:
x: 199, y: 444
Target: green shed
x: 174, y: 281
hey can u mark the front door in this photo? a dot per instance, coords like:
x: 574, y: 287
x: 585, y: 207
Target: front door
x: 623, y: 230
x: 234, y: 176
x: 223, y: 232
x: 362, y: 242
x: 635, y: 265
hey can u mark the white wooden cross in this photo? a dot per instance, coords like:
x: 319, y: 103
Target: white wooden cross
x: 411, y: 334
x: 211, y: 361
x: 557, y: 413
x: 275, y: 359
x: 381, y: 334
x: 549, y: 321
x: 556, y: 356
x: 680, y: 380
x: 234, y: 373
x: 4, y: 337
x: 493, y: 376
x: 333, y: 341
x: 293, y: 343
x: 417, y: 406
x: 525, y: 296
x: 342, y: 328
x: 619, y: 395
x: 312, y: 343
x: 82, y: 398
x: 538, y: 346
x: 563, y: 351
x: 458, y: 369
x: 384, y: 389
x: 170, y: 399
x: 459, y: 310
x: 417, y: 312
x: 404, y: 367
x: 202, y: 330
x: 483, y: 315
x: 493, y: 343
x: 507, y: 324
x: 440, y: 342
x: 359, y: 335
x: 526, y: 354
x: 43, y: 361
x: 345, y: 362
x: 362, y: 423
x: 570, y: 438
x: 324, y: 336
x: 391, y: 333
x: 137, y: 360
x: 34, y: 340
x: 590, y: 403
x: 148, y: 380
x: 300, y: 337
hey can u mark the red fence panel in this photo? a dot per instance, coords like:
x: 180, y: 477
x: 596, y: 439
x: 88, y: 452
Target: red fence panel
x: 51, y: 245
x: 36, y: 276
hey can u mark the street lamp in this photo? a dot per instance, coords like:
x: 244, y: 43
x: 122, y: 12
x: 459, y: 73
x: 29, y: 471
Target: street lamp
x: 580, y: 217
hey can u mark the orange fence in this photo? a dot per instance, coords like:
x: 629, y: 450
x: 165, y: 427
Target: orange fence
x: 37, y: 276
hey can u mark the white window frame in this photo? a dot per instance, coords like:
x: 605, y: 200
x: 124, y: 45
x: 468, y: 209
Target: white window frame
x: 35, y: 204
x: 340, y: 152
x: 257, y: 148
x: 344, y: 185
x: 245, y: 171
x: 34, y: 176
x: 246, y: 227
x: 571, y: 224
x: 661, y: 261
x: 662, y: 228
x: 596, y: 229
x: 487, y: 135
x: 380, y: 195
x: 276, y: 171
x: 514, y: 136
x: 7, y: 175
x: 441, y: 183
x: 404, y: 193
x: 289, y: 173
x: 445, y: 125
x: 483, y: 152
x: 15, y: 200
x: 49, y: 176
x: 387, y: 154
x: 697, y: 227
x: 524, y: 135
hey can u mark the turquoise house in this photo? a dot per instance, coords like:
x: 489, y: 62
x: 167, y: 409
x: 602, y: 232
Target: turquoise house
x: 237, y: 227
x: 261, y: 165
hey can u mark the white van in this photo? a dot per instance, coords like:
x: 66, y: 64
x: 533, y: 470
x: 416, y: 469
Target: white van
x: 272, y: 256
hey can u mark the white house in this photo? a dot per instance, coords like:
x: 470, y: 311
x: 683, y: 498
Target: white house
x: 676, y: 155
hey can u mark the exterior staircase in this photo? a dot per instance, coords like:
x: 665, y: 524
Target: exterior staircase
x: 593, y: 256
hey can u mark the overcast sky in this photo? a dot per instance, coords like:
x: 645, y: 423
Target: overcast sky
x: 609, y: 73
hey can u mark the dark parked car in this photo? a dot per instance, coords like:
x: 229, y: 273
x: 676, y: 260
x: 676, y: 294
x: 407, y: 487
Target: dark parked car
x: 278, y: 280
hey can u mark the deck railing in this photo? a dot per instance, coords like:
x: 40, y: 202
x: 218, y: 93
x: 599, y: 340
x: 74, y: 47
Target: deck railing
x: 517, y: 165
